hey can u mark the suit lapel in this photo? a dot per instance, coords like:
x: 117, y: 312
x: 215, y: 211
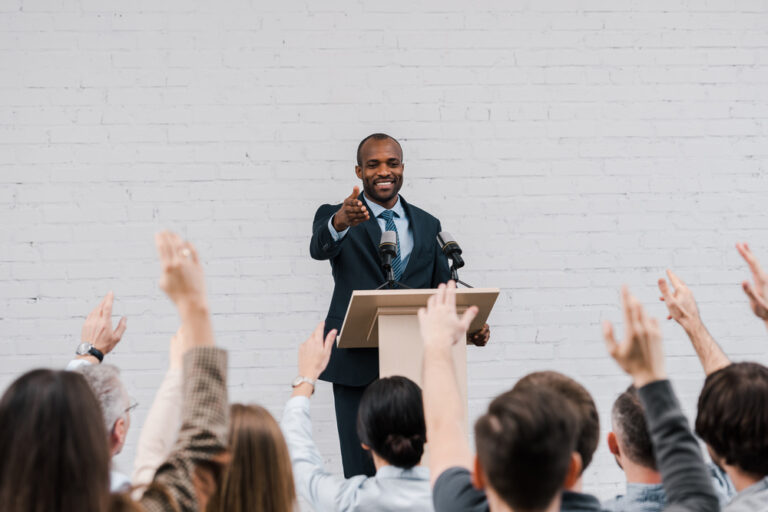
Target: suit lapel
x: 371, y: 227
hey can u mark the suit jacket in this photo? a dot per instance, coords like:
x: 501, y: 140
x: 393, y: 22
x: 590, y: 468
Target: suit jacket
x: 356, y: 265
x: 202, y: 441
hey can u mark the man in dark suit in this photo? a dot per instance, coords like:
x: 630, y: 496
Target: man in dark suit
x: 348, y: 235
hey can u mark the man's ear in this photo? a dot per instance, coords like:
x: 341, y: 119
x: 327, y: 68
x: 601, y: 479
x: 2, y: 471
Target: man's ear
x: 478, y: 477
x: 359, y: 171
x: 365, y: 447
x: 118, y: 435
x: 574, y: 471
x: 613, y: 444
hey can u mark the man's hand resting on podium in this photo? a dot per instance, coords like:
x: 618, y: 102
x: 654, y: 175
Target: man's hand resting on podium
x: 351, y: 213
x: 481, y: 337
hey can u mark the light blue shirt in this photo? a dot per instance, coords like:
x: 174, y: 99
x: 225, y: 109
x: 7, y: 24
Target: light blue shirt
x: 392, y: 489
x: 403, y: 225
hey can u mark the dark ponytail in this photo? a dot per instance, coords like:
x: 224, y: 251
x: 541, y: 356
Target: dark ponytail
x: 391, y: 421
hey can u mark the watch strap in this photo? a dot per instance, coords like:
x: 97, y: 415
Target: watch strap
x: 98, y: 354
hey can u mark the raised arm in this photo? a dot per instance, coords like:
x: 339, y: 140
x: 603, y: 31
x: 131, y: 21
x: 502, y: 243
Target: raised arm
x: 161, y: 428
x: 682, y: 307
x: 319, y: 487
x: 441, y: 328
x: 757, y: 291
x: 188, y: 476
x: 684, y: 475
x: 97, y: 333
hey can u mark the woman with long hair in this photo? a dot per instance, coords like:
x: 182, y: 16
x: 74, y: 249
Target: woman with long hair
x: 259, y: 476
x: 54, y: 454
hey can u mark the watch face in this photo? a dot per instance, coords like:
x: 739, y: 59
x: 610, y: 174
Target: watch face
x: 83, y: 348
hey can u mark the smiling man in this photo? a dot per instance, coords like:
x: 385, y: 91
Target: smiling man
x: 348, y: 235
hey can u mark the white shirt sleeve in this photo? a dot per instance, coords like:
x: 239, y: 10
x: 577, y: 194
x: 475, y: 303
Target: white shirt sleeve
x: 77, y: 363
x: 335, y: 234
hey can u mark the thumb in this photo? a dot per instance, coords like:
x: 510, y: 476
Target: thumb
x: 468, y: 316
x: 610, y: 340
x: 330, y: 339
x: 120, y: 329
x: 355, y: 192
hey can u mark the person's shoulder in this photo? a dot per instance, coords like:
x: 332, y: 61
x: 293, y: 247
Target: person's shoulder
x: 419, y: 212
x: 453, y: 490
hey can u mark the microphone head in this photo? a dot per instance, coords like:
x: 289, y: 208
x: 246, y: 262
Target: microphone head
x: 388, y: 243
x: 448, y: 244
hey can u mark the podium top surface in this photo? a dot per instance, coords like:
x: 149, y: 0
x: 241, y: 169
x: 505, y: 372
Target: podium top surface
x: 360, y: 323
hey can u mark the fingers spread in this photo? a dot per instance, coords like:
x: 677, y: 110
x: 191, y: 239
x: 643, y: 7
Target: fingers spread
x: 120, y: 329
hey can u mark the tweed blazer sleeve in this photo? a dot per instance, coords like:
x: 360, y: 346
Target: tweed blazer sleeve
x: 203, y: 435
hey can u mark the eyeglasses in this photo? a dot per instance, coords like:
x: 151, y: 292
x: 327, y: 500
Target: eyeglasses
x: 134, y: 404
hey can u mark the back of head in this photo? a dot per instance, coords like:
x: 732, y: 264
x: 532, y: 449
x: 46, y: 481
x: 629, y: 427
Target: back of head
x: 53, y: 445
x: 524, y: 446
x: 391, y: 421
x: 106, y: 384
x: 586, y: 410
x: 631, y: 429
x: 259, y: 476
x: 733, y: 416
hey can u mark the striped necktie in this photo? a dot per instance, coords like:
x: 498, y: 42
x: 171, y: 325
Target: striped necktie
x: 397, y: 263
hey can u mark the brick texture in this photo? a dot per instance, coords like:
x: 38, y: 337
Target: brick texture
x: 569, y: 146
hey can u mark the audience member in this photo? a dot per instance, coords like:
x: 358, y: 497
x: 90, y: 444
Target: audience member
x: 587, y: 431
x: 732, y: 414
x: 54, y: 454
x: 97, y: 340
x: 679, y: 460
x: 631, y: 445
x: 391, y: 427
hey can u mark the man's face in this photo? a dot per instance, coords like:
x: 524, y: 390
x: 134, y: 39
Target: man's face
x: 381, y: 170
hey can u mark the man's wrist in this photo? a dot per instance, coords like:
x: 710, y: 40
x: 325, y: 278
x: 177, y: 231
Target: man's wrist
x: 644, y: 378
x: 337, y: 224
x: 193, y: 306
x: 88, y: 357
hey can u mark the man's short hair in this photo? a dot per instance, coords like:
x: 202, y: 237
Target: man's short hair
x: 733, y: 416
x: 524, y: 445
x: 104, y: 380
x: 630, y: 427
x: 374, y: 136
x: 589, y: 420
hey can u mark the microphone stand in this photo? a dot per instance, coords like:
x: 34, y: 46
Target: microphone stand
x: 455, y: 275
x: 391, y: 282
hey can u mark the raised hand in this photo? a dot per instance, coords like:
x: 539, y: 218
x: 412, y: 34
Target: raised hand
x: 315, y: 353
x: 97, y: 329
x: 757, y: 292
x: 441, y: 326
x: 640, y: 354
x: 182, y: 278
x: 351, y: 213
x: 680, y: 302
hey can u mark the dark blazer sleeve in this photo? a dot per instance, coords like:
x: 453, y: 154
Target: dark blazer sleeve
x: 683, y: 472
x: 323, y: 246
x: 441, y: 273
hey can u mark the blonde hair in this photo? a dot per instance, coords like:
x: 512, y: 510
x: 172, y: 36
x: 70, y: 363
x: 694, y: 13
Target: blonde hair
x: 259, y: 476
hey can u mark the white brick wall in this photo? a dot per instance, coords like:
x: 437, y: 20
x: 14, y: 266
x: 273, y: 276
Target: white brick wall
x: 569, y: 146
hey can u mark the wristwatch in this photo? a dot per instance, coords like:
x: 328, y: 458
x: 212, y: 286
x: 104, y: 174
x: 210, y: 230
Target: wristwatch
x: 85, y: 349
x: 298, y: 380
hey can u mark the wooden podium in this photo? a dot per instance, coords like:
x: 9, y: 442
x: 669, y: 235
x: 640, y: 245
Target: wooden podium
x: 388, y: 319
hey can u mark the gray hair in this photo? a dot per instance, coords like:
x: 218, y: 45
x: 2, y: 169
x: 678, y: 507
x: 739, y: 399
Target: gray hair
x: 106, y: 384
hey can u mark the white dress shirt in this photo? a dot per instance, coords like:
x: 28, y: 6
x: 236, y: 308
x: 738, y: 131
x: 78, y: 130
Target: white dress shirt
x: 392, y: 489
x: 403, y: 225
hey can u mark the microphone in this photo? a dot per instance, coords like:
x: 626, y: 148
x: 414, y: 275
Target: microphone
x: 450, y: 248
x: 388, y: 249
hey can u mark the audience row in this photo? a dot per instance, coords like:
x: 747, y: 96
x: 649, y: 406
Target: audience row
x: 60, y: 429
